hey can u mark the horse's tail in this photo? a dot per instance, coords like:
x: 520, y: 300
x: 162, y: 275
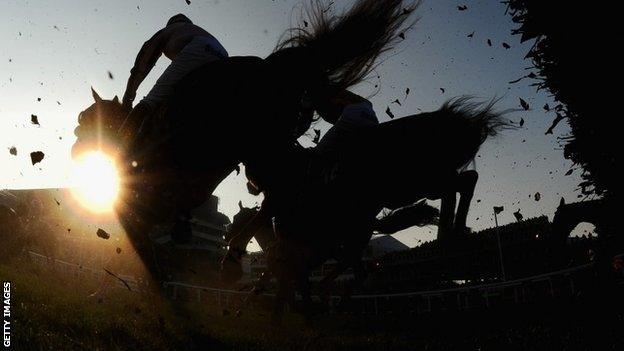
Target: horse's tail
x: 470, y: 123
x: 344, y: 48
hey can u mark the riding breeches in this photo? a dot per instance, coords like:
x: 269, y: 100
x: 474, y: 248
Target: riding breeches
x: 198, y: 52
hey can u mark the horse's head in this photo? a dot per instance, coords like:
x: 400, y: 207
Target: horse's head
x: 569, y: 215
x: 241, y: 219
x: 98, y: 124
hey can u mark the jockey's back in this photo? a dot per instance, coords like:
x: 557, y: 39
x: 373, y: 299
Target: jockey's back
x: 186, y: 44
x: 177, y: 35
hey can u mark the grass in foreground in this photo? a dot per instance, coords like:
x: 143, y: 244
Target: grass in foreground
x: 53, y: 311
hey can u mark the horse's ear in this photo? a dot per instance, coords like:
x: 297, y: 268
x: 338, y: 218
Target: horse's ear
x: 240, y: 204
x: 562, y: 202
x: 96, y: 97
x: 116, y: 99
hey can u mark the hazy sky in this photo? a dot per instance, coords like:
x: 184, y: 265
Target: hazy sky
x: 56, y: 50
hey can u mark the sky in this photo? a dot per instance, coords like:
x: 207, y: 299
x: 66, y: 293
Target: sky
x: 53, y: 52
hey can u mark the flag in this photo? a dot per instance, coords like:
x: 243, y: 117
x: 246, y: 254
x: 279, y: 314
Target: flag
x: 498, y: 209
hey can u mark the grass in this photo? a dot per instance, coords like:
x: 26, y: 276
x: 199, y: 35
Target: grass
x: 53, y: 311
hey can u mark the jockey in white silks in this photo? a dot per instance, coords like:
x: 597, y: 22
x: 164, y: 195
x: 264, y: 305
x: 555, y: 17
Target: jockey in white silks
x: 187, y: 45
x: 355, y: 114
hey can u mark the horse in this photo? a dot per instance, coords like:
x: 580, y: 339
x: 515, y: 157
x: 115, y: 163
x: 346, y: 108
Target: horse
x: 597, y: 212
x: 239, y: 109
x: 252, y: 222
x: 326, y: 208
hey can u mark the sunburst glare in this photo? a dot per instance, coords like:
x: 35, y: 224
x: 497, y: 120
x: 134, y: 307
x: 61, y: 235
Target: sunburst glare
x: 95, y: 181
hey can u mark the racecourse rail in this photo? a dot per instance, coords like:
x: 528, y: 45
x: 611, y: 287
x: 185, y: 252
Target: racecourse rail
x: 560, y: 285
x: 78, y: 269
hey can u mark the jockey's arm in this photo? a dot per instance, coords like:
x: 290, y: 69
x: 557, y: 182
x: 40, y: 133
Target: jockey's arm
x: 146, y: 59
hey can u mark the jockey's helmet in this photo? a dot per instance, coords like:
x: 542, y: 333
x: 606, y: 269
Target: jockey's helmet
x: 179, y: 18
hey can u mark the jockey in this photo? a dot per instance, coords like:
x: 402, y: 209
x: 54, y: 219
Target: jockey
x: 187, y: 45
x: 349, y: 113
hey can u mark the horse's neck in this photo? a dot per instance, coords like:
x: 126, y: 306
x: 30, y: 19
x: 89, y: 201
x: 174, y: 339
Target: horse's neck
x: 277, y: 161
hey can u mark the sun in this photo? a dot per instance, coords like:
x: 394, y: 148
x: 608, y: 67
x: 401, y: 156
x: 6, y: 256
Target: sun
x: 95, y: 181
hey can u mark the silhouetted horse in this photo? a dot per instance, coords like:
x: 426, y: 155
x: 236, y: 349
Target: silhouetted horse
x: 326, y: 206
x: 599, y: 212
x: 240, y: 109
x: 241, y: 220
x: 251, y: 222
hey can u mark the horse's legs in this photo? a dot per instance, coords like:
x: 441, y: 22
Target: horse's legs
x: 136, y: 230
x: 282, y: 261
x: 258, y: 289
x: 466, y: 185
x: 359, y: 274
x: 327, y: 282
x: 263, y: 282
x: 447, y: 215
x: 285, y: 293
x: 231, y: 267
x: 240, y: 240
x: 306, y: 301
x: 265, y: 236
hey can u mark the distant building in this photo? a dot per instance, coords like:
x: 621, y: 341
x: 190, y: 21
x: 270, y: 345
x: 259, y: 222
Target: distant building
x: 527, y: 248
x: 208, y: 226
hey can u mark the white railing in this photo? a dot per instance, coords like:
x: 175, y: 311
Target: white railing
x: 497, y: 285
x: 78, y: 269
x: 425, y: 299
x: 421, y: 301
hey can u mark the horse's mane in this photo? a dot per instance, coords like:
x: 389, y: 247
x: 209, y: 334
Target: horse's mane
x: 345, y: 48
